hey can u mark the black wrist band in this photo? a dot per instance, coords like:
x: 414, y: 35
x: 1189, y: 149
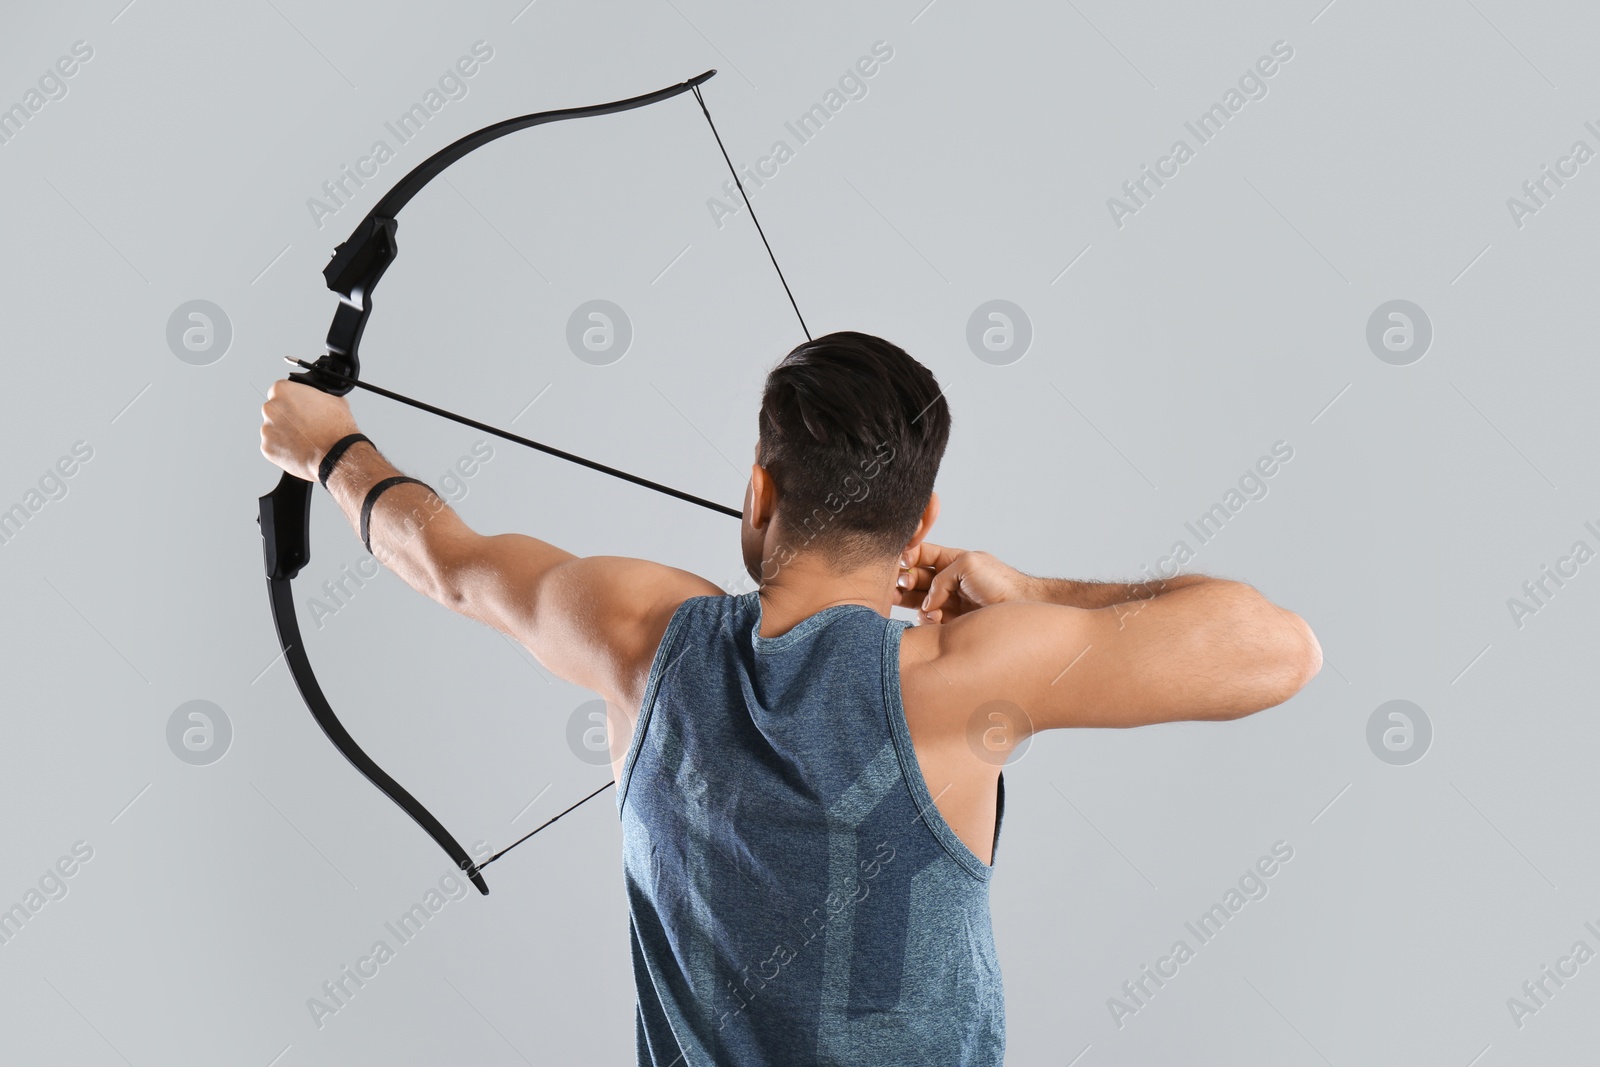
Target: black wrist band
x: 372, y: 498
x: 331, y: 460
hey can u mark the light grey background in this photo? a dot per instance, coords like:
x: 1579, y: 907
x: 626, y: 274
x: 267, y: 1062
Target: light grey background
x: 1167, y: 355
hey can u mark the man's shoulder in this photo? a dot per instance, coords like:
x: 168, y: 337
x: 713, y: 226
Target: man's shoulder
x: 933, y: 686
x: 1007, y: 652
x: 625, y: 605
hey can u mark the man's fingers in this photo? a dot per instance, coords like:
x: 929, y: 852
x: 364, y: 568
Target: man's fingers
x: 910, y: 598
x: 922, y: 567
x: 942, y: 586
x: 909, y: 581
x: 930, y: 555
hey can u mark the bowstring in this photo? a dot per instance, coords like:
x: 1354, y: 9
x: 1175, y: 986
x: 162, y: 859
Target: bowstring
x: 745, y: 197
x: 476, y: 867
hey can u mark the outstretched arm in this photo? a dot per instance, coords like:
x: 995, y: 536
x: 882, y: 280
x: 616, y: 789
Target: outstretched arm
x: 593, y: 621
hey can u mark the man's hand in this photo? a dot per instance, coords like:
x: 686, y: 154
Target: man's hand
x: 299, y: 423
x: 957, y: 581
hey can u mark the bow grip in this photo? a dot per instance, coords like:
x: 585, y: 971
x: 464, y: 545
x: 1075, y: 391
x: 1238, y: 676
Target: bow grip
x: 285, y: 519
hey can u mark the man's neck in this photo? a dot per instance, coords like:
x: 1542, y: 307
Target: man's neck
x: 806, y: 586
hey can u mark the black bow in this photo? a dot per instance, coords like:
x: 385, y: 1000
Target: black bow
x: 285, y: 515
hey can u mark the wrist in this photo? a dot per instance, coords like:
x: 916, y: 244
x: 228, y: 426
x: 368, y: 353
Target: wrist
x: 334, y: 453
x: 1073, y: 593
x: 1040, y: 590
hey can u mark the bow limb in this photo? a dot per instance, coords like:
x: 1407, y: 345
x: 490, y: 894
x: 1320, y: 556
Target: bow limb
x: 281, y: 592
x: 285, y: 513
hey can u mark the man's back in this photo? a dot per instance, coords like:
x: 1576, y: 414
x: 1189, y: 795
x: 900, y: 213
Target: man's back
x: 796, y: 896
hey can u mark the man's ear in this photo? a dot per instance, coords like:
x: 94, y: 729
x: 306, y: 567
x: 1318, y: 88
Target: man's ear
x: 763, y: 497
x: 930, y: 515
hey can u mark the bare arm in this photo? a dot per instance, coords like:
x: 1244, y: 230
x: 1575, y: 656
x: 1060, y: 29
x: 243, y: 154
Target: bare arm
x: 594, y: 621
x: 1212, y: 650
x: 422, y: 539
x: 1109, y: 654
x: 943, y: 583
x: 1072, y: 593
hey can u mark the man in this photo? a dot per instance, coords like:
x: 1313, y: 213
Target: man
x: 810, y: 792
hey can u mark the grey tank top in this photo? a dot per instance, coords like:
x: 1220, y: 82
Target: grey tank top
x: 795, y: 896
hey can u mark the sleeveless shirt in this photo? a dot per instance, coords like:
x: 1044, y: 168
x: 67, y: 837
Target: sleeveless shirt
x: 795, y: 897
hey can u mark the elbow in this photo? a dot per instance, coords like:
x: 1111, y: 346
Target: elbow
x: 1311, y: 654
x: 1295, y: 659
x: 444, y: 586
x: 1301, y: 654
x: 1284, y: 662
x: 444, y: 576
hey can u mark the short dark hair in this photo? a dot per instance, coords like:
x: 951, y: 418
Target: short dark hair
x: 852, y: 432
